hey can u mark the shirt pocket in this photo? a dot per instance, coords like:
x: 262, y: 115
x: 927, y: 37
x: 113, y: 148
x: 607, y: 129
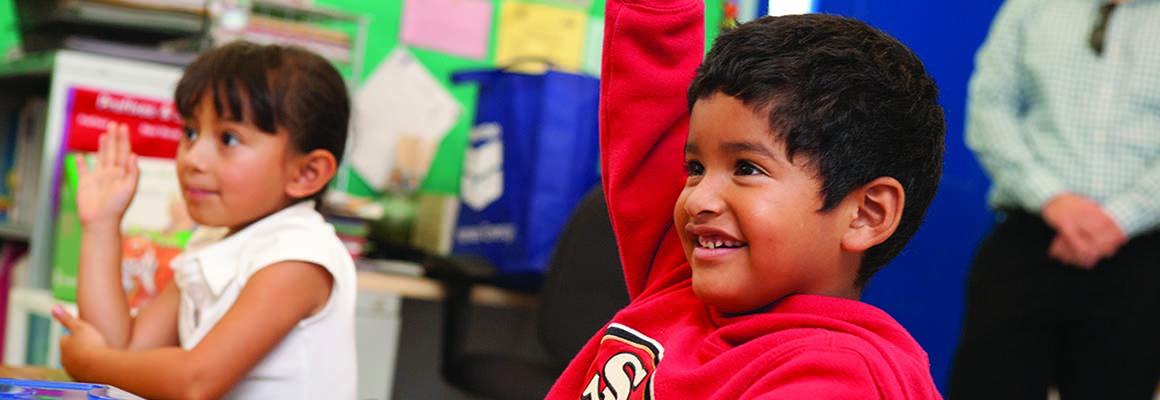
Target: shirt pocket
x: 1142, y: 60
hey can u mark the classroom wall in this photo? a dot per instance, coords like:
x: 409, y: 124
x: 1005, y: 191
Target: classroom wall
x: 923, y: 287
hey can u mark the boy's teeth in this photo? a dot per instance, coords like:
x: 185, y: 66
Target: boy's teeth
x: 712, y: 244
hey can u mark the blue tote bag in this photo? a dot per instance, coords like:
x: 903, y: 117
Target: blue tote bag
x: 534, y: 152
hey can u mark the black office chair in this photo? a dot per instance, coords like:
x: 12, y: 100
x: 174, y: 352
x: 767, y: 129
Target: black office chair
x: 582, y: 289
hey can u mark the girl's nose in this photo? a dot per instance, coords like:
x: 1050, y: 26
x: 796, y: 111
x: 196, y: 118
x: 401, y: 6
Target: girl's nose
x: 193, y: 156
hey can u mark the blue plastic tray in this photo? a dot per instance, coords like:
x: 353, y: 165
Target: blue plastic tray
x: 45, y: 390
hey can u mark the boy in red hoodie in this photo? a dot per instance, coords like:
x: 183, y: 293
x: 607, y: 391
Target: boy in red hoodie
x: 812, y: 146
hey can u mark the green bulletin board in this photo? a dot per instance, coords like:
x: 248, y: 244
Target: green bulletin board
x: 9, y: 35
x: 382, y: 37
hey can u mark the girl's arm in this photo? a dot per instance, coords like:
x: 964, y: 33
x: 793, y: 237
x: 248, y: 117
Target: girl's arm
x: 103, y: 194
x: 651, y: 52
x: 273, y: 301
x: 156, y: 322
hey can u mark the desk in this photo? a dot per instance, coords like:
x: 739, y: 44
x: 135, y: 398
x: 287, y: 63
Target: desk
x: 33, y: 373
x: 415, y: 287
x: 378, y: 319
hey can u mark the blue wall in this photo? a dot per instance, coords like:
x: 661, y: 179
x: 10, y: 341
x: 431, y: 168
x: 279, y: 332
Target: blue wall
x: 923, y: 287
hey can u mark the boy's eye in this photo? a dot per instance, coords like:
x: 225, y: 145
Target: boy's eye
x: 230, y: 139
x: 745, y: 168
x: 694, y: 168
x: 190, y: 134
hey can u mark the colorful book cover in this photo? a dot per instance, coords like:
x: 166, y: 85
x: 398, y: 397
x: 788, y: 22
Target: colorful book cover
x: 10, y: 120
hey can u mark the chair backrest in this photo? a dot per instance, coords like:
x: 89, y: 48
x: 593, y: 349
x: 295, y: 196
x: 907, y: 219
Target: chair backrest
x: 584, y: 285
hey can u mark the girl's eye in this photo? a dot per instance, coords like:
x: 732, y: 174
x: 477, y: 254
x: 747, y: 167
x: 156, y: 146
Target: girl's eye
x: 745, y: 168
x: 230, y: 139
x: 190, y: 134
x: 694, y: 168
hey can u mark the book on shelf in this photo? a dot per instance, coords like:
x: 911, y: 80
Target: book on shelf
x: 8, y: 123
x: 47, y: 24
x: 20, y: 162
x: 186, y: 6
x: 152, y: 53
x: 333, y: 34
x: 11, y: 254
x: 333, y: 44
x: 292, y: 29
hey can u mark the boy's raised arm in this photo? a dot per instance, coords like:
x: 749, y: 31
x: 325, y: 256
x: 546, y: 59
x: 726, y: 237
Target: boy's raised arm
x: 651, y: 52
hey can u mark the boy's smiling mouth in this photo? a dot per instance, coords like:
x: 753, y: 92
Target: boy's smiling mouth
x: 714, y: 249
x: 711, y: 244
x: 717, y: 242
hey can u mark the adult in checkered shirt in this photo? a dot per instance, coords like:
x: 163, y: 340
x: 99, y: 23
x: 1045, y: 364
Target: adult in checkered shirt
x: 1064, y: 114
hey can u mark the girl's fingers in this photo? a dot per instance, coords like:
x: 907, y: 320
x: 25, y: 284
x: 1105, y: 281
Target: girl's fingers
x: 104, y: 149
x: 82, y: 166
x: 115, y: 144
x: 131, y: 167
x: 124, y: 146
x: 115, y: 148
x: 64, y: 317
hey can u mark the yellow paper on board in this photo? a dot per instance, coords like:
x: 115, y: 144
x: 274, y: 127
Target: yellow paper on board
x: 531, y: 34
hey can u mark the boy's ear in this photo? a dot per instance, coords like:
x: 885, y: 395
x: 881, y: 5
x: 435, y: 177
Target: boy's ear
x: 311, y: 173
x: 877, y: 209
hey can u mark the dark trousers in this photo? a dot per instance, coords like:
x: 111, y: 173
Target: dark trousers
x: 1032, y: 322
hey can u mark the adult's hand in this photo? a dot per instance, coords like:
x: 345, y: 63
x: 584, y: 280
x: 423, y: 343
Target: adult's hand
x: 1085, y: 233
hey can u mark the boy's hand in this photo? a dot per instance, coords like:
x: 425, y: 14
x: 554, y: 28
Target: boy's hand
x: 104, y: 193
x: 81, y: 339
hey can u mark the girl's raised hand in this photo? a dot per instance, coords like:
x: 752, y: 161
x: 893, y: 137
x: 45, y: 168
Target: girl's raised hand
x: 105, y: 191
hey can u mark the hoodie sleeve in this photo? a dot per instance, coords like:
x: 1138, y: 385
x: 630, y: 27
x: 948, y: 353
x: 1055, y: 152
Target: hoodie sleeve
x: 651, y: 51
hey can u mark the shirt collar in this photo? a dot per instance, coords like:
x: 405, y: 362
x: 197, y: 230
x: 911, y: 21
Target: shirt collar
x: 210, y: 252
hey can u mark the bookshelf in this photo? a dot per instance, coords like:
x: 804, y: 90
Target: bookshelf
x: 52, y: 24
x: 53, y: 76
x: 22, y: 79
x: 339, y: 36
x: 12, y: 231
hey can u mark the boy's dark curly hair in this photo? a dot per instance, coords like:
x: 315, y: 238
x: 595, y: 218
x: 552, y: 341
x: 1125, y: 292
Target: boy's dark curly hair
x: 272, y: 86
x: 853, y: 100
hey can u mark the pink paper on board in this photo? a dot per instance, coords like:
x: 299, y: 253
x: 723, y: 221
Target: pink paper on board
x: 457, y: 27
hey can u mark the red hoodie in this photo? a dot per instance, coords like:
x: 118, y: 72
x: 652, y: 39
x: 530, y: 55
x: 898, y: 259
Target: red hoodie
x: 668, y: 344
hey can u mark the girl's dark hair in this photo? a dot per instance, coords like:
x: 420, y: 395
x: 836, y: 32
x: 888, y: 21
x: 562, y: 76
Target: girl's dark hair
x: 856, y: 102
x: 286, y: 87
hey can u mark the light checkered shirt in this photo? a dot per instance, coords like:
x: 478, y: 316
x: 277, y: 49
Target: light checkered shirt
x: 1047, y: 115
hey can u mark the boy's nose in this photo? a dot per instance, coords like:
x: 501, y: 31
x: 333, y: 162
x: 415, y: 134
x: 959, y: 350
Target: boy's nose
x: 704, y: 198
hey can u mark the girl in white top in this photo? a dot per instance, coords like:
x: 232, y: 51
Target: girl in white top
x: 262, y: 305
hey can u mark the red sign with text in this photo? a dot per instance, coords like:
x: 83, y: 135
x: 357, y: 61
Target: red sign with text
x: 155, y: 127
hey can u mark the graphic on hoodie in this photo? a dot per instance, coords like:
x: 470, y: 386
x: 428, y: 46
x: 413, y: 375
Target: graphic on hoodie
x: 624, y: 366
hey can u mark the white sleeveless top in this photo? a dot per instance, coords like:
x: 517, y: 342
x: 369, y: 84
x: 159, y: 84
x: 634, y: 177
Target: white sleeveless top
x: 316, y: 360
